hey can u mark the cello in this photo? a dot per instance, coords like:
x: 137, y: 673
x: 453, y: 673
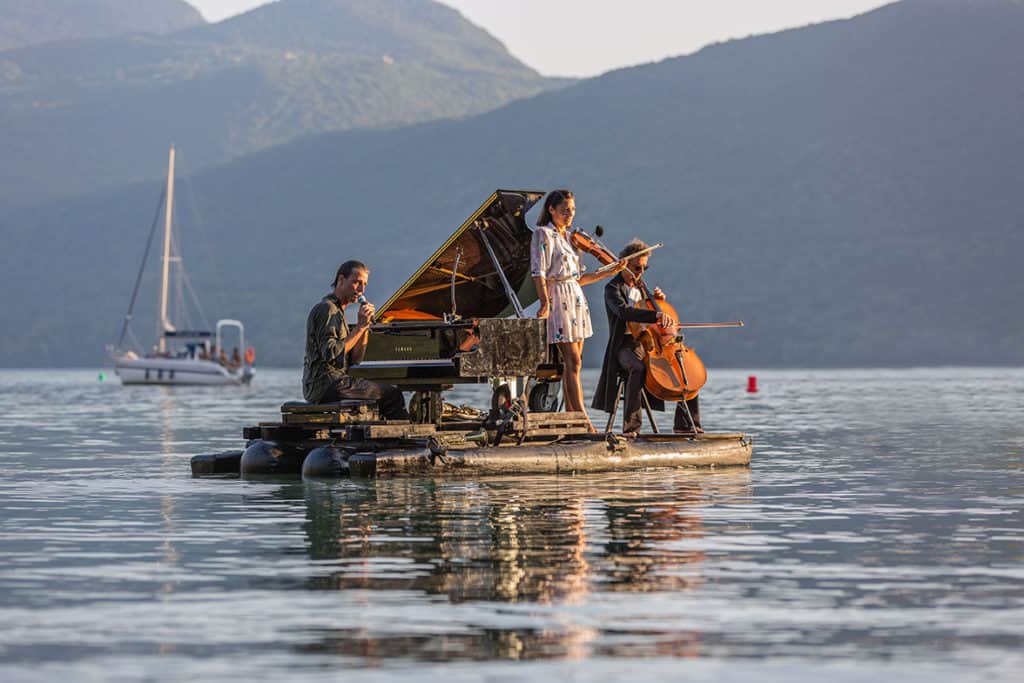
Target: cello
x: 674, y: 371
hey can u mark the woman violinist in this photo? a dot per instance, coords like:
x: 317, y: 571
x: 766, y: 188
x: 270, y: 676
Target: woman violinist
x: 558, y: 277
x: 624, y: 355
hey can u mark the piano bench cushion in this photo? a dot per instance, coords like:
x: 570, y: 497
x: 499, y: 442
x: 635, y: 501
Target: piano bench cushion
x: 294, y: 404
x: 343, y: 406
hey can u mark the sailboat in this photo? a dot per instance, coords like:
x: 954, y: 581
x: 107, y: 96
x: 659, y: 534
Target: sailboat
x: 180, y: 356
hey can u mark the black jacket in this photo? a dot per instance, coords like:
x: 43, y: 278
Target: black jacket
x: 619, y: 310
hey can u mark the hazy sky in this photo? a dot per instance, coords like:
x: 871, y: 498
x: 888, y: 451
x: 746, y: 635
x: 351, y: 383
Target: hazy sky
x: 585, y: 37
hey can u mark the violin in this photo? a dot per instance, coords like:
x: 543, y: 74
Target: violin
x: 584, y: 242
x: 674, y: 371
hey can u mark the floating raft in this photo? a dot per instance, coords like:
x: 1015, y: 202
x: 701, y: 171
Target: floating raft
x: 350, y: 439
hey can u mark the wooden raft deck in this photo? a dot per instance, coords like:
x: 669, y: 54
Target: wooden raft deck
x: 350, y: 438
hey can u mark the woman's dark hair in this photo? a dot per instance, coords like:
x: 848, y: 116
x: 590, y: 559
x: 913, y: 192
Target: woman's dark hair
x: 554, y: 198
x: 346, y: 268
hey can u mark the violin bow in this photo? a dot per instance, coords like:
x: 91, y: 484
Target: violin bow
x: 691, y: 326
x: 610, y: 266
x: 730, y: 323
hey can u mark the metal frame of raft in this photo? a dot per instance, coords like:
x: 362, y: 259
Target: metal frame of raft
x: 349, y: 439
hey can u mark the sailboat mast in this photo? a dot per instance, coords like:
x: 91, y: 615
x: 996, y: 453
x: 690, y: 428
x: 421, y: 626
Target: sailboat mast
x: 163, y: 324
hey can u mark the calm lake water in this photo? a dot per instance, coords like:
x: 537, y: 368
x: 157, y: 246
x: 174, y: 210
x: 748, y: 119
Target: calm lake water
x: 879, y: 534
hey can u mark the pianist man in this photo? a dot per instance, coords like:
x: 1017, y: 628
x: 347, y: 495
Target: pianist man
x: 332, y: 345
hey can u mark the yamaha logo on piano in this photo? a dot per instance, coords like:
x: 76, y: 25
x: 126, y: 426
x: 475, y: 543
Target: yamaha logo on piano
x: 403, y: 349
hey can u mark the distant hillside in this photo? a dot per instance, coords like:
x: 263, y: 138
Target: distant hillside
x: 79, y: 117
x: 404, y: 30
x: 29, y: 22
x: 850, y: 190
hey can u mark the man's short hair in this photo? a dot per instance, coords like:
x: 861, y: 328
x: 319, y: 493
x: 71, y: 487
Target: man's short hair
x: 632, y: 247
x: 346, y: 268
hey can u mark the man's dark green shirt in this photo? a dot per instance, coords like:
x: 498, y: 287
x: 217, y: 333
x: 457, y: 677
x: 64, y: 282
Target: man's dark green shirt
x: 326, y: 361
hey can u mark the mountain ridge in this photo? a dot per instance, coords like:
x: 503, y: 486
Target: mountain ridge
x: 29, y: 22
x: 84, y: 115
x: 365, y: 28
x: 848, y: 189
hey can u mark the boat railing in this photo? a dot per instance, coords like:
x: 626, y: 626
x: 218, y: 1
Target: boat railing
x: 233, y: 365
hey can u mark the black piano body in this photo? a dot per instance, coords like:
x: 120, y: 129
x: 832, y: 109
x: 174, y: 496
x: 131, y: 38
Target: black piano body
x: 420, y: 354
x: 459, y: 318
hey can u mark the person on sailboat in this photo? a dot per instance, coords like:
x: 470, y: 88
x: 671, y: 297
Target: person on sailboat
x: 332, y: 345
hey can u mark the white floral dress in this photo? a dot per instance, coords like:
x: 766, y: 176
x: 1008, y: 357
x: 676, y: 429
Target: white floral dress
x: 555, y: 260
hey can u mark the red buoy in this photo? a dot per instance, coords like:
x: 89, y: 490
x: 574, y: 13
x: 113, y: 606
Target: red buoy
x: 752, y: 384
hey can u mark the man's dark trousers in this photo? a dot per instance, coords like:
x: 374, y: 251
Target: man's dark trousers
x: 388, y: 397
x: 630, y: 359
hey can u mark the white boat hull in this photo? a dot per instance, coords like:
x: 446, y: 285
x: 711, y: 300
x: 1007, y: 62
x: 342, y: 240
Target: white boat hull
x: 178, y: 371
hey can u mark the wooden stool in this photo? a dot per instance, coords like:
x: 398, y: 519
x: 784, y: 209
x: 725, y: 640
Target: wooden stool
x: 620, y: 391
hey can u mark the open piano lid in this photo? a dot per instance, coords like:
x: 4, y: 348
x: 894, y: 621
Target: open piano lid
x: 479, y: 292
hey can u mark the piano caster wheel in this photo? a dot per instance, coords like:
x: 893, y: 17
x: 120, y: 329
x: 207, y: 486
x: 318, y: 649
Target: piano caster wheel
x: 544, y: 397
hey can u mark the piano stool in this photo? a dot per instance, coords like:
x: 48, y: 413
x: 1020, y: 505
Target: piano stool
x: 339, y: 412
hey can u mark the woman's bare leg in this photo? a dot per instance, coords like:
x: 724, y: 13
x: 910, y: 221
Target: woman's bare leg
x: 572, y: 383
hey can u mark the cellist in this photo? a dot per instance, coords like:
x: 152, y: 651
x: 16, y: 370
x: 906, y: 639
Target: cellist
x: 624, y: 355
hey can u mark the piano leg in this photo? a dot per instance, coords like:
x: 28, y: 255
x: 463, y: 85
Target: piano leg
x: 427, y: 407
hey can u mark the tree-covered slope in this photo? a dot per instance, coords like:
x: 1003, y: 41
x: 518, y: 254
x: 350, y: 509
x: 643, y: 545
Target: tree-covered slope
x: 29, y: 22
x: 82, y: 116
x: 850, y: 189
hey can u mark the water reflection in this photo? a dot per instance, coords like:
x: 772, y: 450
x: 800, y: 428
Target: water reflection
x: 550, y: 541
x: 166, y: 406
x: 864, y: 535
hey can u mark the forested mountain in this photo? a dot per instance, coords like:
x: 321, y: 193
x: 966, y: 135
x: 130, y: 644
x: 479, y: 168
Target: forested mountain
x: 80, y: 116
x: 28, y: 22
x: 850, y: 189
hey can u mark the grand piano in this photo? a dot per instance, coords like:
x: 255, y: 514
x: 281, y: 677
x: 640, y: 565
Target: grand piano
x: 459, y: 318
